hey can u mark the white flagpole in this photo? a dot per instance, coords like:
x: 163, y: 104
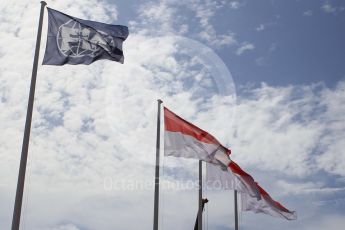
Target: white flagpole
x: 156, y: 195
x: 25, y: 147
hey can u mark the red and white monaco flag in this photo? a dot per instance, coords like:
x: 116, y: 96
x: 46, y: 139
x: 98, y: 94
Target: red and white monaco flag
x: 234, y: 178
x: 266, y: 205
x: 183, y: 139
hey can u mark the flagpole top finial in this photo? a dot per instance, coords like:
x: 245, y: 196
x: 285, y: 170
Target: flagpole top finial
x: 43, y: 3
x: 160, y: 101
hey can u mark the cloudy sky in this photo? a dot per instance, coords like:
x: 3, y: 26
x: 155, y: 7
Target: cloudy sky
x: 267, y: 78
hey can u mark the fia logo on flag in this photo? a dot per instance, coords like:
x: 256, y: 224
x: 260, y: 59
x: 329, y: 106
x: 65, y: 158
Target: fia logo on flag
x: 77, y: 40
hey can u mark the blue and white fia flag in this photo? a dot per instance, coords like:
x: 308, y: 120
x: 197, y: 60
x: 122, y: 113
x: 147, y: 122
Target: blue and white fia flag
x: 75, y: 41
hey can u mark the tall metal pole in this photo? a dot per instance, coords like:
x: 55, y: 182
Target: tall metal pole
x: 236, y: 212
x: 156, y: 198
x: 26, y: 138
x: 200, y: 197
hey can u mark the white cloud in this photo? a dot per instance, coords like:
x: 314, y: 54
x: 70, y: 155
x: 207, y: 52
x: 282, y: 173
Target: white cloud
x: 264, y: 26
x: 328, y: 8
x: 65, y: 227
x: 308, y: 13
x: 166, y: 16
x: 307, y: 188
x: 235, y: 5
x: 335, y: 222
x: 261, y: 27
x: 261, y: 61
x: 299, y: 134
x: 272, y: 47
x: 246, y: 46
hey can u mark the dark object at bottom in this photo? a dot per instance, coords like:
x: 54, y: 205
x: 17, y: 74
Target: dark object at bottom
x: 204, y: 201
